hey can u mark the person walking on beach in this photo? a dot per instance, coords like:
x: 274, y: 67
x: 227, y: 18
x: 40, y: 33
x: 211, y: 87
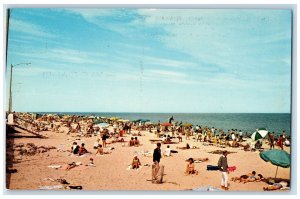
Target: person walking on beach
x: 271, y: 140
x: 223, y: 167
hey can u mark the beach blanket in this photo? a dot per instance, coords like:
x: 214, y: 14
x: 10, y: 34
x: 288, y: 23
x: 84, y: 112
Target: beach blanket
x: 54, y: 166
x: 207, y: 188
x: 212, y: 168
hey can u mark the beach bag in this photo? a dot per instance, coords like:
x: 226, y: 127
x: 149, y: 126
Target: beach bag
x: 157, y: 173
x: 212, y: 168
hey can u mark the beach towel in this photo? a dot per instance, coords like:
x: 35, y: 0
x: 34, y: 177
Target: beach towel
x: 207, y: 188
x: 51, y: 187
x: 54, y: 166
x: 212, y: 168
x: 231, y: 169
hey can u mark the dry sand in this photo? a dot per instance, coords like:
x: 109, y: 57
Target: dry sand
x: 110, y: 172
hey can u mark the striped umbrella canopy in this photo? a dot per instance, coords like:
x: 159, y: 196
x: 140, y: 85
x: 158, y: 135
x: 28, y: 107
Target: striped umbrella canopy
x: 259, y: 134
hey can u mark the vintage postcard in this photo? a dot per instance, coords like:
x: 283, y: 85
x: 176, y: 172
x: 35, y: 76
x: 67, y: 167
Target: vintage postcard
x: 153, y: 99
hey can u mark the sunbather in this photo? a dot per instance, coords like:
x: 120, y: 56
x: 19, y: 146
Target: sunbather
x: 136, y: 142
x: 100, y: 151
x: 186, y: 147
x: 82, y: 150
x: 131, y: 142
x: 190, y: 168
x: 135, y: 163
x: 248, y: 178
x: 275, y: 186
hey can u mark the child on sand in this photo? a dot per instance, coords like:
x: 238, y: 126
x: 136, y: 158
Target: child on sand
x: 82, y: 150
x: 135, y: 163
x: 190, y: 168
x: 100, y: 151
x: 168, y: 151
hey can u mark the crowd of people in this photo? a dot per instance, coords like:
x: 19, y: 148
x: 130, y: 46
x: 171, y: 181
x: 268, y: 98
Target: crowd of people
x: 86, y: 126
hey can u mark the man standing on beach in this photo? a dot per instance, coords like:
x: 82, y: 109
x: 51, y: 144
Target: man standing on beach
x: 157, y: 170
x: 157, y: 153
x: 223, y: 167
x: 271, y: 140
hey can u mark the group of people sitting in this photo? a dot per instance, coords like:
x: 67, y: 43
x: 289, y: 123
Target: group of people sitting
x: 134, y: 142
x: 78, y: 150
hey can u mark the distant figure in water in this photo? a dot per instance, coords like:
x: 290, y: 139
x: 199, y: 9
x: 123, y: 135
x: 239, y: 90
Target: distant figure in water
x: 171, y: 119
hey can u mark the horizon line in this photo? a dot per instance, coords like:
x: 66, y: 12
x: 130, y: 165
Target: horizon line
x: 156, y: 112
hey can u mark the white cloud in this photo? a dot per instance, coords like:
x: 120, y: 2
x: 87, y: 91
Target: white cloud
x: 166, y: 73
x: 28, y: 28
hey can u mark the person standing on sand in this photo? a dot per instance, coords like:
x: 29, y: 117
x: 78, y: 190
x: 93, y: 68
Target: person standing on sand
x: 157, y: 153
x: 271, y: 140
x: 223, y: 167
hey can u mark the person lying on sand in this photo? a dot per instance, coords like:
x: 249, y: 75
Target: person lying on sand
x: 82, y: 150
x: 137, y: 134
x: 135, y: 163
x: 100, y: 151
x: 248, y: 178
x: 190, y: 168
x: 118, y: 140
x: 71, y: 166
x: 188, y: 147
x: 201, y: 159
x: 275, y: 186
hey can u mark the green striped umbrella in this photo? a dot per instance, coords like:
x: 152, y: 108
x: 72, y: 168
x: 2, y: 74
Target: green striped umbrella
x: 259, y: 134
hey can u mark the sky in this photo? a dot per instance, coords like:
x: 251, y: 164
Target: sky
x: 150, y: 60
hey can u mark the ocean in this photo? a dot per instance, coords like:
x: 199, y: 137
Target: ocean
x: 247, y: 122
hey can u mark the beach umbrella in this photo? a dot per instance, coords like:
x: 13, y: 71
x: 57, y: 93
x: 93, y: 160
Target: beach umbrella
x: 98, y: 121
x: 279, y: 158
x: 259, y: 134
x: 103, y: 124
x: 187, y: 125
x: 166, y: 124
x: 144, y: 120
x: 114, y: 118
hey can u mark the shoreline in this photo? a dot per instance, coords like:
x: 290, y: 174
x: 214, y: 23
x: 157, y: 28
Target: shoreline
x: 110, y: 172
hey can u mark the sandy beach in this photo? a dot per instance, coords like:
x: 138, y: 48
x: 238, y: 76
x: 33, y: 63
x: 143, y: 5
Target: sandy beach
x: 110, y: 171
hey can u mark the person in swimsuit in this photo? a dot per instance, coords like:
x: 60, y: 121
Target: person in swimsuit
x: 135, y: 163
x: 190, y: 168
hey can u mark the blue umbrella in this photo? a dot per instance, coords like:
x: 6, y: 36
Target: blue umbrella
x: 103, y: 124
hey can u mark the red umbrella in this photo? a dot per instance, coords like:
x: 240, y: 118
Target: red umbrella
x: 166, y: 124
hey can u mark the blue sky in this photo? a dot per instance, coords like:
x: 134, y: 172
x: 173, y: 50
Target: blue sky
x: 150, y: 60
